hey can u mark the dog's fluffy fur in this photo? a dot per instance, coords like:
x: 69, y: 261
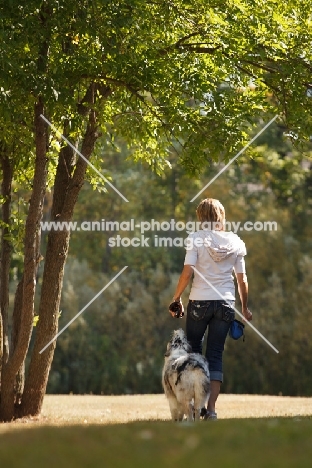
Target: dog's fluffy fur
x: 185, y: 379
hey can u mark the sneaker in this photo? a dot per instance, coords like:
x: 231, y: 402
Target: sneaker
x: 210, y: 415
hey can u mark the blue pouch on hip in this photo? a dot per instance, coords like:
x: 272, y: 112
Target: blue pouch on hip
x: 237, y: 330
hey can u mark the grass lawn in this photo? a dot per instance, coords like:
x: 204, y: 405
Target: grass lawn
x: 135, y: 431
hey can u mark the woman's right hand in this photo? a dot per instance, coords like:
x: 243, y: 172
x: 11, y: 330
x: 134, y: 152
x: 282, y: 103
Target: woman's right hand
x: 176, y: 308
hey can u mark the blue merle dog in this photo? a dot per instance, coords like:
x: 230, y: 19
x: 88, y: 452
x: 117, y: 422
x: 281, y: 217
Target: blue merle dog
x: 185, y: 379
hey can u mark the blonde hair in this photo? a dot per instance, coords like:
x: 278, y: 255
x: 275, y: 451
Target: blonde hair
x: 212, y: 211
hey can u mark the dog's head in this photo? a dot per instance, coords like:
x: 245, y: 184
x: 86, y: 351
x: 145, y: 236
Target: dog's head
x: 178, y: 342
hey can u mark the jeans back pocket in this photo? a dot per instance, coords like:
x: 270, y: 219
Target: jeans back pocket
x: 228, y: 313
x: 225, y: 312
x: 198, y: 309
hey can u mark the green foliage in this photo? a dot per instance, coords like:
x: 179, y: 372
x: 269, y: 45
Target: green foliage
x: 182, y: 84
x: 35, y: 321
x: 278, y: 269
x: 182, y: 73
x: 117, y: 345
x: 181, y: 76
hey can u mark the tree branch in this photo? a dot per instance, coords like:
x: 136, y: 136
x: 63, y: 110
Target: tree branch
x: 185, y: 38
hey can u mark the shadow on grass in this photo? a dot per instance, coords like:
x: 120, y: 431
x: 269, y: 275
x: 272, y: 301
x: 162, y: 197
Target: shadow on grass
x: 278, y: 442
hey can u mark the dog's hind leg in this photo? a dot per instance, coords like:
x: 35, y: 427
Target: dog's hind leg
x: 181, y: 412
x: 190, y: 412
x: 174, y: 408
x: 182, y: 407
x: 197, y: 414
x: 199, y: 403
x: 201, y: 398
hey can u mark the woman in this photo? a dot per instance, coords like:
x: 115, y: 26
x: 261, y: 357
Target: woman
x: 212, y: 255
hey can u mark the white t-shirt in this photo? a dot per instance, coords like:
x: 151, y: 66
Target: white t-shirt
x: 215, y: 254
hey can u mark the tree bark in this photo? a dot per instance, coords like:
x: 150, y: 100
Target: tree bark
x: 66, y: 193
x: 16, y: 324
x: 5, y: 258
x: 32, y: 228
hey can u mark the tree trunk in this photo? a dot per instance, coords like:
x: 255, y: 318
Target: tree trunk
x: 5, y: 258
x: 32, y: 228
x: 1, y: 348
x: 66, y: 191
x: 16, y: 324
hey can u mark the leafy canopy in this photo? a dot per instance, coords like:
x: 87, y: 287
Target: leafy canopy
x: 194, y: 74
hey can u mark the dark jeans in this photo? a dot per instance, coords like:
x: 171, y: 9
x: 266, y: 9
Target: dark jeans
x: 217, y: 316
